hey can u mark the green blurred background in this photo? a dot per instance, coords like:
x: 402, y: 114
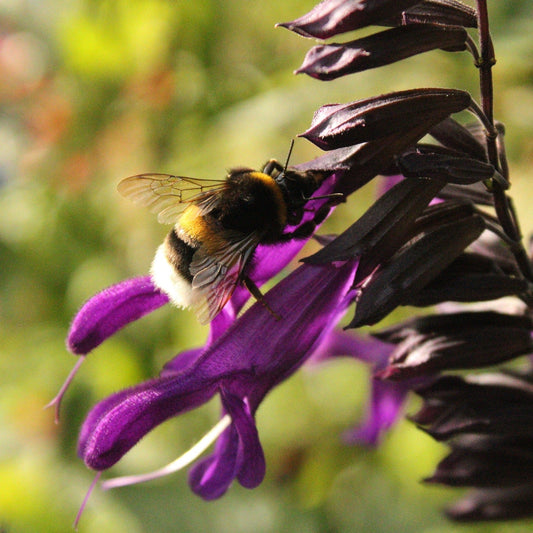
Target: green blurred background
x: 92, y: 91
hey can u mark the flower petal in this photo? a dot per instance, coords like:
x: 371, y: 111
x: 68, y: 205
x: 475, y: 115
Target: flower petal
x: 112, y: 309
x: 331, y: 61
x: 386, y: 404
x: 211, y: 477
x: 117, y: 423
x: 180, y: 362
x: 332, y: 17
x: 238, y: 454
x: 251, y: 459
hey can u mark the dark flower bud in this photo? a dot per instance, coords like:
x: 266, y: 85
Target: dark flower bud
x: 476, y: 193
x: 488, y: 418
x: 494, y: 504
x: 455, y: 136
x: 456, y: 341
x: 330, y: 61
x: 383, y: 229
x: 361, y: 163
x: 496, y: 250
x: 470, y: 278
x: 431, y: 325
x: 332, y: 17
x: 485, y: 461
x: 497, y: 405
x: 448, y: 167
x: 338, y: 125
x: 443, y: 12
x: 439, y: 214
x: 412, y: 268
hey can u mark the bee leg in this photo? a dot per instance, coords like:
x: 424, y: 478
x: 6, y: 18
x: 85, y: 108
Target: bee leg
x: 307, y: 228
x: 272, y: 167
x: 258, y: 295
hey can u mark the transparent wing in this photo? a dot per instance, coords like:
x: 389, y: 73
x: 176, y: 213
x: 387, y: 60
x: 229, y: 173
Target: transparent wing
x: 217, y: 273
x: 168, y: 195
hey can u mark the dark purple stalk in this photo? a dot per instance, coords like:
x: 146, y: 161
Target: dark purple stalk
x: 502, y: 204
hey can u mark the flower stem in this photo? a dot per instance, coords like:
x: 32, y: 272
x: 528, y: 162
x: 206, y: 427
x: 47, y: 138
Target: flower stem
x: 502, y: 204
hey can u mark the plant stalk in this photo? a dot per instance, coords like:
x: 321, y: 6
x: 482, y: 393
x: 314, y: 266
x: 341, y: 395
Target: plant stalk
x: 501, y: 201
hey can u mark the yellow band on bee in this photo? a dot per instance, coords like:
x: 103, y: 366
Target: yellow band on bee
x: 194, y: 224
x: 193, y: 228
x: 270, y: 182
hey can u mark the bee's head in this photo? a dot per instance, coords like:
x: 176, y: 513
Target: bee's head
x: 297, y: 186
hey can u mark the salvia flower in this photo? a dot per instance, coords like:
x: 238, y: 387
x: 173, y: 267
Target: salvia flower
x: 241, y: 366
x: 242, y: 360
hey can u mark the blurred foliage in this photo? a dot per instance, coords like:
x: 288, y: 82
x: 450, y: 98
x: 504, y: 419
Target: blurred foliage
x: 95, y: 90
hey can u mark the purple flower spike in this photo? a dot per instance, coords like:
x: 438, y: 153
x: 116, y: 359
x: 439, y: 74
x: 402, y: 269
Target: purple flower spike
x: 257, y: 353
x: 115, y: 307
x: 112, y: 309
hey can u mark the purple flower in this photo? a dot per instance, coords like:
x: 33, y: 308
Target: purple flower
x: 103, y: 315
x: 241, y: 364
x: 110, y: 310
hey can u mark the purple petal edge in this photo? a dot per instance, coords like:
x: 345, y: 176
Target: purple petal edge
x: 110, y: 310
x: 385, y: 409
x: 386, y: 398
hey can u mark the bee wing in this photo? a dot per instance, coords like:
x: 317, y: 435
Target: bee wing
x: 169, y: 195
x: 217, y: 273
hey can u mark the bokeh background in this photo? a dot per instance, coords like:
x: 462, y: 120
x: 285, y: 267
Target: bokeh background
x: 95, y: 90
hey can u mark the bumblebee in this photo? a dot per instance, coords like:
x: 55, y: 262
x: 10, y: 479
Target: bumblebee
x: 217, y: 226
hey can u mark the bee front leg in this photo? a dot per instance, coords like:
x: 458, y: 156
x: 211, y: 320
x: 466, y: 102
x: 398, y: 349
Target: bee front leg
x: 307, y: 228
x: 273, y: 167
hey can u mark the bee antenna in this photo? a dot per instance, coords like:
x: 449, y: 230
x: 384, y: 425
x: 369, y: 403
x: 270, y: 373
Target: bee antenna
x: 288, y: 157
